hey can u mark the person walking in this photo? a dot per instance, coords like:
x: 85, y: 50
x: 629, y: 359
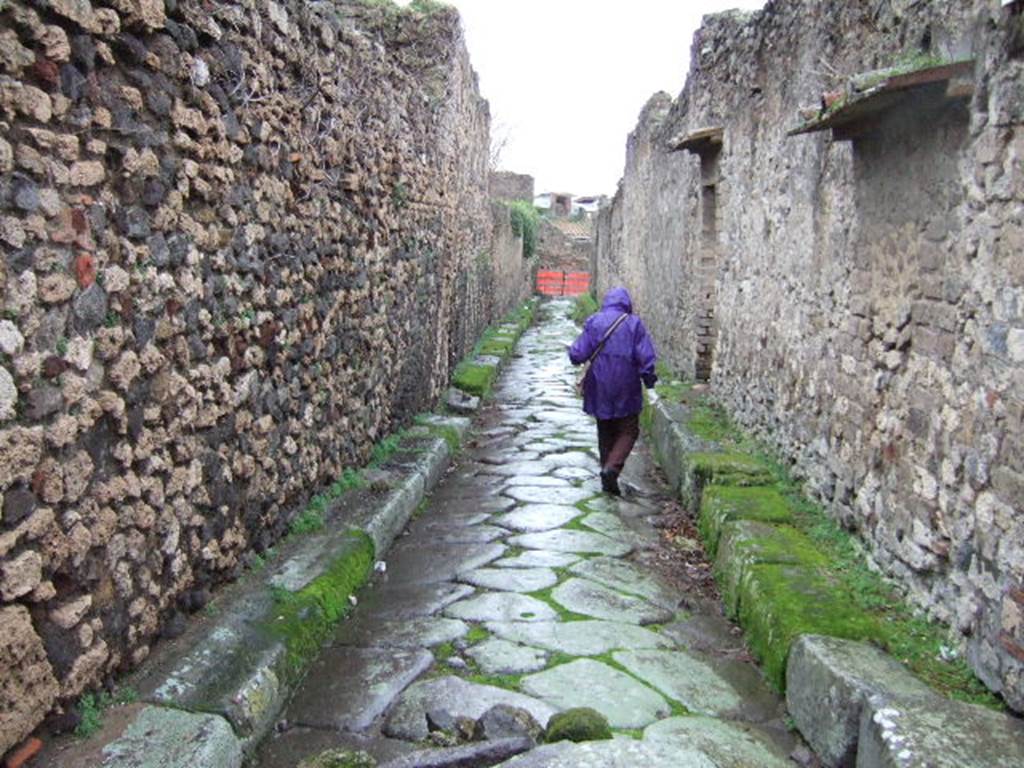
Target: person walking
x: 620, y: 356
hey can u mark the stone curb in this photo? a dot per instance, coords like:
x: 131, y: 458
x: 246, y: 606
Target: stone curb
x: 855, y: 704
x: 220, y: 687
x: 461, y: 401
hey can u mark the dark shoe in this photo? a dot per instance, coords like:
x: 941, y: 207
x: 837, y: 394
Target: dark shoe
x: 610, y: 482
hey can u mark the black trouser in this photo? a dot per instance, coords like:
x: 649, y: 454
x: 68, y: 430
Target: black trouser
x: 615, y: 439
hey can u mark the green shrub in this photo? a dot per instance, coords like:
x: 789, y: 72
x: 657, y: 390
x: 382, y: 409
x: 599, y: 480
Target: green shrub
x: 586, y: 305
x: 525, y: 221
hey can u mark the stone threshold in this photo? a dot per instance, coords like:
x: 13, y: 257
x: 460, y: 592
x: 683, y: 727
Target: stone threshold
x: 852, y: 702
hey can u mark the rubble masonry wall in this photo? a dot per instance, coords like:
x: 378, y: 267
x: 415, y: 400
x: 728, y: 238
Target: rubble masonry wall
x: 867, y: 296
x: 241, y: 242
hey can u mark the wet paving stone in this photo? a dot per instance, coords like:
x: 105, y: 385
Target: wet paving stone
x: 518, y: 468
x: 568, y: 495
x: 537, y: 558
x: 592, y: 599
x: 728, y: 744
x: 414, y: 561
x: 501, y: 606
x: 501, y: 657
x: 511, y: 579
x: 472, y: 534
x: 582, y: 542
x: 424, y: 632
x: 618, y: 753
x: 401, y: 602
x: 613, y: 527
x: 380, y: 678
x: 408, y: 719
x: 537, y: 517
x: 626, y: 577
x: 626, y: 702
x: 700, y: 683
x: 579, y: 638
x: 538, y: 481
x: 574, y: 473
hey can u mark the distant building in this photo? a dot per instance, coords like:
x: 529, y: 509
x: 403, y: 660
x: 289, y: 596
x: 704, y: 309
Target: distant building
x: 555, y: 203
x: 588, y: 204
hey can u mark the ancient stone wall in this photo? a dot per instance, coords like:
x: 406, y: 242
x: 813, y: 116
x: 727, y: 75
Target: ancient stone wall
x: 506, y: 185
x: 242, y: 242
x: 866, y: 295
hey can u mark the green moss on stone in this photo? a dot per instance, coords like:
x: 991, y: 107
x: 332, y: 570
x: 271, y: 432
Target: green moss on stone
x: 475, y: 379
x: 711, y: 422
x: 305, y: 618
x: 721, y: 504
x: 477, y: 634
x: 577, y: 724
x: 728, y: 468
x: 745, y: 543
x: 777, y: 603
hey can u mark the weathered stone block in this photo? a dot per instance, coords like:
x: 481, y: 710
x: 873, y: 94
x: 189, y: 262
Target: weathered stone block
x: 27, y: 686
x: 828, y: 684
x: 937, y: 733
x: 778, y: 603
x: 161, y: 737
x: 745, y: 543
x: 722, y: 504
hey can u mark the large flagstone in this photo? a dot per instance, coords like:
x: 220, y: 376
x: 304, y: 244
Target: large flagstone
x: 537, y: 517
x: 511, y: 579
x: 592, y: 599
x: 729, y: 744
x: 579, y: 638
x: 618, y: 753
x: 611, y: 525
x: 500, y: 657
x: 408, y: 718
x: 627, y: 577
x: 626, y: 702
x: 501, y: 606
x: 424, y: 632
x: 583, y: 542
x: 417, y: 561
x: 538, y: 558
x: 324, y: 700
x: 542, y: 495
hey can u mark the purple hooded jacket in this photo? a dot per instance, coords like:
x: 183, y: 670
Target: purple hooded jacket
x: 612, y: 390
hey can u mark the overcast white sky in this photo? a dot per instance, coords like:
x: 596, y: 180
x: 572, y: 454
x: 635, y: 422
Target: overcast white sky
x: 566, y: 79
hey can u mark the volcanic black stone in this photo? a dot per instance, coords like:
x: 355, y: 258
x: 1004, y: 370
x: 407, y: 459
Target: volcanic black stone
x: 153, y: 192
x: 25, y: 194
x: 19, y: 503
x: 134, y: 222
x: 72, y: 82
x: 97, y: 217
x: 159, y: 102
x: 90, y: 308
x: 83, y: 52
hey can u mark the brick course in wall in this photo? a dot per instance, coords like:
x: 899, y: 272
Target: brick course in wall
x: 867, y: 294
x: 241, y: 243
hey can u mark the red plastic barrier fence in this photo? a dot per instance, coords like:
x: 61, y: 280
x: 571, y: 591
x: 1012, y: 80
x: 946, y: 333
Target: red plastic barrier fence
x: 562, y: 283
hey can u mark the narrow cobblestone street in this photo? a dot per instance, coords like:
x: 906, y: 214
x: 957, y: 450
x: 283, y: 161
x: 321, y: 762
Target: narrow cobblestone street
x: 521, y: 583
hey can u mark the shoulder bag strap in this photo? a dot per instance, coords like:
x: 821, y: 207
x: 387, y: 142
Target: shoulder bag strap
x: 607, y: 335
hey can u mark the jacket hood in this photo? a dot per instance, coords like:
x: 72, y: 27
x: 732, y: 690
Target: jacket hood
x: 618, y: 298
